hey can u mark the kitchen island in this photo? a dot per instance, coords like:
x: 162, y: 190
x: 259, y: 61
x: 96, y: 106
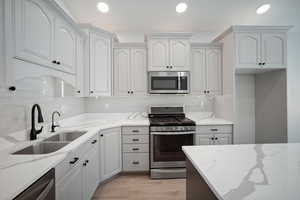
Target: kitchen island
x: 235, y: 172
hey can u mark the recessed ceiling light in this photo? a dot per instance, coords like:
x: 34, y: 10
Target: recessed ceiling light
x: 103, y: 7
x: 263, y: 9
x: 181, y: 7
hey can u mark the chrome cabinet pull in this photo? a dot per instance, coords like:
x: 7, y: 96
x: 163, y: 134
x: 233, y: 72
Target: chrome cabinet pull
x: 135, y: 140
x: 135, y: 162
x: 135, y: 149
x: 135, y: 131
x: 214, y: 129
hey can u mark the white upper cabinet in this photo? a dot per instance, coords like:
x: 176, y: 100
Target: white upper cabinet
x: 80, y: 67
x: 274, y: 47
x: 130, y: 71
x: 158, y: 54
x: 32, y: 45
x: 100, y: 64
x: 198, y: 71
x: 138, y: 71
x: 179, y: 54
x: 206, y: 71
x: 43, y: 36
x: 65, y: 46
x: 214, y: 71
x: 122, y: 71
x: 261, y: 48
x: 169, y: 54
x: 248, y: 50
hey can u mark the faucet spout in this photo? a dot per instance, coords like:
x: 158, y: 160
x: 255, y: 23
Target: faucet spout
x: 34, y: 132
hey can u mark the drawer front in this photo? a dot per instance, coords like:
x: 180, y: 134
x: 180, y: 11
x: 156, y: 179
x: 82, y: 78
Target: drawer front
x: 214, y: 129
x: 135, y: 139
x: 135, y: 130
x: 135, y: 162
x: 135, y: 148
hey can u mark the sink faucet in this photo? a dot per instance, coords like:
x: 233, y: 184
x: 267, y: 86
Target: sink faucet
x: 53, y: 126
x: 34, y: 132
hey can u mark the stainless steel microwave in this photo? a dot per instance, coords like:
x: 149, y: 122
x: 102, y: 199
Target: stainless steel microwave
x: 169, y: 82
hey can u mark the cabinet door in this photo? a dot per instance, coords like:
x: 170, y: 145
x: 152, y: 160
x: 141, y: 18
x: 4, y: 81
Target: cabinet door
x: 110, y: 153
x: 248, y: 50
x: 32, y: 45
x: 91, y: 173
x: 179, y: 55
x: 204, y: 139
x: 158, y: 54
x: 80, y: 68
x: 223, y: 139
x: 213, y: 71
x: 65, y: 46
x: 274, y: 50
x: 71, y: 186
x: 122, y: 72
x: 138, y: 71
x: 198, y: 71
x: 100, y: 65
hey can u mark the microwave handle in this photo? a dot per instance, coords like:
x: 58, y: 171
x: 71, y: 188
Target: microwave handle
x: 46, y: 191
x: 179, y: 82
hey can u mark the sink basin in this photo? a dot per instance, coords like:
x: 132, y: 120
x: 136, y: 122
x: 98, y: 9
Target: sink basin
x: 41, y: 148
x: 66, y: 136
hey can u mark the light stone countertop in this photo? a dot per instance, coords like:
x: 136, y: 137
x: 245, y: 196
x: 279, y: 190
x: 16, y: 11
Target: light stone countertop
x: 248, y: 172
x: 17, y: 172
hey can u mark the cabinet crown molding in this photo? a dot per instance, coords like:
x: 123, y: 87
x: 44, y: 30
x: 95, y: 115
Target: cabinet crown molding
x: 129, y: 45
x: 251, y: 28
x: 91, y: 28
x: 170, y: 35
x: 203, y: 45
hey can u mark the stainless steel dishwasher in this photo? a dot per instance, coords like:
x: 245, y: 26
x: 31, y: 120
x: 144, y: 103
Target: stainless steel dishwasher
x: 42, y: 189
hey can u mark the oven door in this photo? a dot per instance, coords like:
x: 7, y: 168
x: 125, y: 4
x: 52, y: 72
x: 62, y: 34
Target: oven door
x: 166, y: 148
x: 168, y: 82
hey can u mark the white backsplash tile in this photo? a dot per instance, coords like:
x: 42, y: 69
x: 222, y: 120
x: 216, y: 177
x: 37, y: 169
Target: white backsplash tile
x: 15, y: 112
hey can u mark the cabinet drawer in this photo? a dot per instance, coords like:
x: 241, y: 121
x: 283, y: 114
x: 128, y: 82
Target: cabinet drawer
x: 135, y: 139
x: 135, y: 130
x: 135, y: 162
x: 214, y: 129
x: 135, y: 148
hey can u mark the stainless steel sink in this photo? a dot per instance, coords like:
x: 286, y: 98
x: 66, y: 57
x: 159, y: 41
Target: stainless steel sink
x: 41, y: 148
x: 66, y: 136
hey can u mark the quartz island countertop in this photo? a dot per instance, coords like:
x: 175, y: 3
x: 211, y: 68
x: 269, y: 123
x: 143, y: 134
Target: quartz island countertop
x: 248, y: 172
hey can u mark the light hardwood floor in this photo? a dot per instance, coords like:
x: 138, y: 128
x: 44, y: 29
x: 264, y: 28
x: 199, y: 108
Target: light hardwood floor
x: 141, y: 187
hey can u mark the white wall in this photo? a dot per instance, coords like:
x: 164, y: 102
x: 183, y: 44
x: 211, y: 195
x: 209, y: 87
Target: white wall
x: 271, y: 107
x: 293, y: 85
x: 140, y: 104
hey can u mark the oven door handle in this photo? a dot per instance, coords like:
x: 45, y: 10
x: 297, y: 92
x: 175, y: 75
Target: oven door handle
x: 173, y: 133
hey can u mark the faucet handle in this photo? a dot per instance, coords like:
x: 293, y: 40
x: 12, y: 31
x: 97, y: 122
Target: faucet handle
x: 39, y: 131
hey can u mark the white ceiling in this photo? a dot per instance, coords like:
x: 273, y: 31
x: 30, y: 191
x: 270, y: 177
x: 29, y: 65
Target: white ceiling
x: 149, y: 16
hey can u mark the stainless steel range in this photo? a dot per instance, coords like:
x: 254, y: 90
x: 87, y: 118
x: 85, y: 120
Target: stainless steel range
x: 169, y: 131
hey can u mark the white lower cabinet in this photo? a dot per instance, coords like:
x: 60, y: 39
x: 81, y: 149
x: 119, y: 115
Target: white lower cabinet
x: 213, y: 139
x: 135, y: 142
x: 90, y: 173
x: 214, y: 135
x: 79, y: 172
x: 110, y: 153
x: 71, y: 186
